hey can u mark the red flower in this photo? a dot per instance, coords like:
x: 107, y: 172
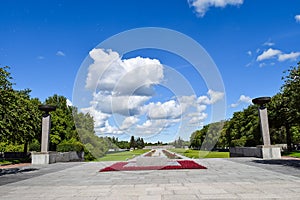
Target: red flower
x: 184, y: 164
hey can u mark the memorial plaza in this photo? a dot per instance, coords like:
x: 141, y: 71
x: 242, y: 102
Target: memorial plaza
x: 234, y: 178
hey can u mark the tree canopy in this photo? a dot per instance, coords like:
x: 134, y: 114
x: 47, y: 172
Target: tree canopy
x: 20, y: 123
x: 19, y: 115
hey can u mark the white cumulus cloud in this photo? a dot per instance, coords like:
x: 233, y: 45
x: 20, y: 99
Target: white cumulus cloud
x: 152, y: 127
x: 40, y: 57
x: 202, y: 6
x: 100, y: 118
x: 277, y: 54
x: 197, y: 118
x: 120, y: 87
x: 125, y: 87
x: 129, y: 122
x: 242, y: 99
x: 289, y: 56
x: 69, y: 102
x: 118, y: 104
x: 123, y: 77
x: 270, y: 53
x: 297, y: 18
x: 102, y: 60
x: 213, y: 97
x: 268, y: 43
x: 167, y: 110
x: 108, y: 129
x: 60, y: 53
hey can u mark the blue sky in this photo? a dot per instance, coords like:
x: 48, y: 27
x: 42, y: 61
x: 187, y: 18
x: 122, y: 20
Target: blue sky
x: 251, y: 43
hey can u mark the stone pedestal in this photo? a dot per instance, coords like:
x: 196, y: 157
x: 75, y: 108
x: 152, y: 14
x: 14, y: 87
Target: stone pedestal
x: 46, y: 126
x: 270, y: 152
x: 41, y: 158
x: 261, y: 151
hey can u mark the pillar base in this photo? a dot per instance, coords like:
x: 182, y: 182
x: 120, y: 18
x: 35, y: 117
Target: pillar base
x: 270, y: 152
x: 261, y: 151
x: 42, y: 158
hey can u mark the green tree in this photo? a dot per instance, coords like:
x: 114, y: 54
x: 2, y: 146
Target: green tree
x: 277, y: 119
x: 132, y: 142
x: 142, y: 143
x: 28, y: 123
x: 95, y: 146
x: 197, y: 138
x: 62, y: 122
x: 290, y: 104
x: 7, y: 96
x: 19, y: 114
x: 139, y: 143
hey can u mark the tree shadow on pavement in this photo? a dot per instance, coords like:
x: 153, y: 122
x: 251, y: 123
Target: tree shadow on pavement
x: 15, y: 170
x: 283, y: 162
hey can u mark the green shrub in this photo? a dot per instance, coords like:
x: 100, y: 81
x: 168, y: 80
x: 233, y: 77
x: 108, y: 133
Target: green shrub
x: 95, y: 152
x: 239, y: 142
x: 88, y: 156
x: 35, y: 146
x: 70, y: 145
x: 9, y: 147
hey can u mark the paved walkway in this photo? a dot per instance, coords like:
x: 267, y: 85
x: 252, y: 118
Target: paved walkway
x: 236, y: 178
x: 159, y: 153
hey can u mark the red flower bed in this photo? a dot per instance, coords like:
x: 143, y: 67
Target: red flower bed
x: 170, y: 155
x: 150, y: 153
x: 184, y: 164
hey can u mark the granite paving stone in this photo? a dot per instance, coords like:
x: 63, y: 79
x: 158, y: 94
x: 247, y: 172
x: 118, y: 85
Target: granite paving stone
x: 234, y: 178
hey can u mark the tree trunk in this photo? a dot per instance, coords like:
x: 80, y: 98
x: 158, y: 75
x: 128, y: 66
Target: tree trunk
x: 25, y: 147
x: 288, y: 137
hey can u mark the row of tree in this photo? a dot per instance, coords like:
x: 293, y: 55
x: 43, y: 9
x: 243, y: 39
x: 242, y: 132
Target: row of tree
x: 243, y: 129
x: 139, y: 143
x: 136, y: 143
x: 20, y: 123
x: 180, y: 143
x: 133, y: 143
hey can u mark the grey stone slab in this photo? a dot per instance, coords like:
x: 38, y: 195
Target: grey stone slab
x: 224, y: 178
x: 218, y: 196
x: 259, y: 196
x: 150, y: 197
x: 180, y: 197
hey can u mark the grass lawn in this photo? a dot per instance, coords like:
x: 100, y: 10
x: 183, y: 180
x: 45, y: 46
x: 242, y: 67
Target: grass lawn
x: 122, y: 156
x: 295, y: 154
x: 5, y: 162
x: 200, y: 154
x: 8, y: 162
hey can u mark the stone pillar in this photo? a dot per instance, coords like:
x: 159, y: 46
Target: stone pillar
x: 44, y: 157
x: 266, y: 151
x: 264, y: 125
x: 263, y: 116
x: 46, y: 126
